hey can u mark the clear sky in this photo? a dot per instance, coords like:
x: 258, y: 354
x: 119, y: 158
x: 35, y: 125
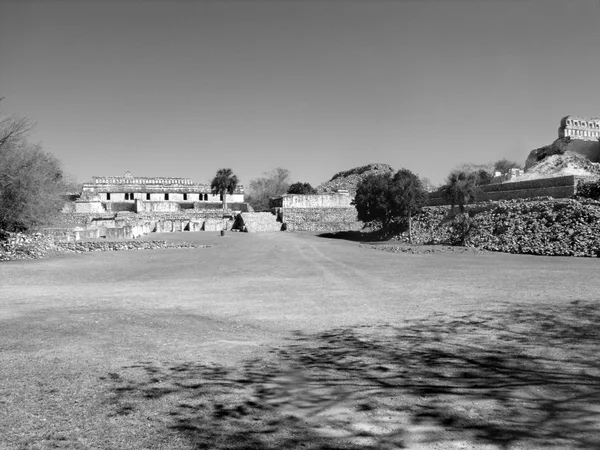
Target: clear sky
x: 183, y: 88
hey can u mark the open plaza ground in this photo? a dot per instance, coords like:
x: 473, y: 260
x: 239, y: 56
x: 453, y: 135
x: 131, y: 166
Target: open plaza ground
x: 290, y: 340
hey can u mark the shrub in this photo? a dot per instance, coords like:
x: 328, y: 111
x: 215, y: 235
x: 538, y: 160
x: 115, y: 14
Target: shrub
x: 589, y: 189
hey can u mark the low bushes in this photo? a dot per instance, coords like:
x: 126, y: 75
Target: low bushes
x: 589, y: 189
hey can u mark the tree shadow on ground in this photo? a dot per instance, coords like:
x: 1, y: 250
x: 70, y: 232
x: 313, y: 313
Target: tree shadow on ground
x: 527, y: 375
x: 359, y: 236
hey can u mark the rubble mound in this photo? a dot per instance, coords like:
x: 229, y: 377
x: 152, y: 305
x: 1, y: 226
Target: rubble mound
x: 589, y: 150
x: 545, y: 226
x: 349, y: 179
x: 557, y: 165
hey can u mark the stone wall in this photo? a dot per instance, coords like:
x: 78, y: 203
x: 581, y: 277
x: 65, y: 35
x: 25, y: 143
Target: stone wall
x: 148, y: 207
x: 261, y: 222
x: 559, y: 187
x: 87, y: 207
x: 320, y: 219
x: 550, y: 227
x: 312, y: 201
x: 119, y: 206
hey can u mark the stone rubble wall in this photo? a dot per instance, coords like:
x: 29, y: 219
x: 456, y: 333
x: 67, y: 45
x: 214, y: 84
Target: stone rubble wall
x: 258, y: 222
x: 550, y: 227
x: 18, y: 246
x: 320, y: 219
x: 99, y: 246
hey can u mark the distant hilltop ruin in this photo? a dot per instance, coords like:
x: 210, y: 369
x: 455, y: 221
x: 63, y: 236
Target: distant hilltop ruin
x: 585, y: 128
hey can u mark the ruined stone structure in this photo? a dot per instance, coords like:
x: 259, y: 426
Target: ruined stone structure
x: 317, y: 212
x: 587, y: 129
x: 143, y: 194
x: 157, y: 189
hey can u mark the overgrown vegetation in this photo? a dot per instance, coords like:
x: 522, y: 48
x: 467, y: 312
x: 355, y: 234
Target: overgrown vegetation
x: 360, y: 170
x: 301, y: 188
x: 504, y: 165
x: 386, y: 197
x: 589, y: 189
x: 32, y: 181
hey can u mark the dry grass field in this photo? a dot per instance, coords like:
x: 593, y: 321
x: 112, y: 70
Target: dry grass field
x: 294, y: 341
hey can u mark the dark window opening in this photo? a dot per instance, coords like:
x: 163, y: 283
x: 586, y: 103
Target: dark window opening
x: 206, y: 197
x: 184, y: 196
x: 166, y: 196
x: 108, y: 196
x: 147, y: 196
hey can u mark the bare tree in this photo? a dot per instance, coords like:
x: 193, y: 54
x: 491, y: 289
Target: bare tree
x: 31, y: 180
x: 271, y: 184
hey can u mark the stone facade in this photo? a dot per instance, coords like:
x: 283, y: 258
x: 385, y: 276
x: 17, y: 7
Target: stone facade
x: 585, y: 128
x: 316, y: 212
x: 329, y: 200
x: 129, y: 188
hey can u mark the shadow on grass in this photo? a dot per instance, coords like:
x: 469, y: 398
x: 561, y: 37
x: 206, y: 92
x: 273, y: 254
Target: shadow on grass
x: 359, y: 236
x: 525, y: 375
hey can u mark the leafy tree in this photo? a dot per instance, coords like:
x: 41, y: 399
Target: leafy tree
x: 504, y: 165
x: 385, y: 197
x: 301, y: 188
x: 483, y: 177
x: 224, y: 183
x: 482, y: 173
x: 32, y: 181
x: 409, y: 196
x: 272, y: 184
x: 374, y: 199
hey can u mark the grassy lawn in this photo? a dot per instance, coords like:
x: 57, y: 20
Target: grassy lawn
x: 283, y: 340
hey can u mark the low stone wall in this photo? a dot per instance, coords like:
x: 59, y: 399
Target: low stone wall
x: 559, y: 187
x: 261, y: 222
x: 320, y: 219
x: 18, y: 246
x: 106, y: 246
x: 564, y: 227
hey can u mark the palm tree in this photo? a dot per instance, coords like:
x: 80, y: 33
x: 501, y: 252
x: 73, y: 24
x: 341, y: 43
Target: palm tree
x: 224, y: 183
x: 410, y: 196
x: 461, y: 189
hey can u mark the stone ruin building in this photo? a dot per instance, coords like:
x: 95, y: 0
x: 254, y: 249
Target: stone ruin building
x: 587, y: 129
x: 144, y: 194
